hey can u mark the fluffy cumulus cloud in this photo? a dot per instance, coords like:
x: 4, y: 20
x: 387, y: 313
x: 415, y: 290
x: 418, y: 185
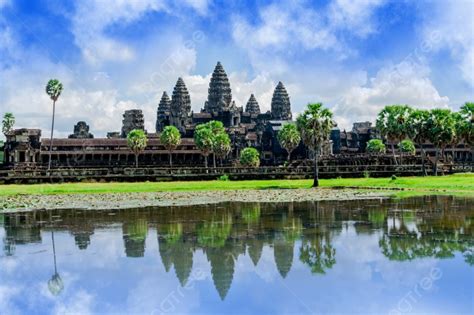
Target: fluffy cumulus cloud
x: 292, y: 26
x: 404, y: 83
x: 450, y: 26
x: 315, y: 50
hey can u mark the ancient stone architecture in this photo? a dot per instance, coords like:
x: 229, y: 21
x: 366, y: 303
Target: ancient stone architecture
x: 246, y: 128
x: 180, y: 111
x: 81, y: 131
x: 281, y: 107
x: 220, y: 94
x: 132, y: 119
x: 163, y: 112
x: 252, y: 106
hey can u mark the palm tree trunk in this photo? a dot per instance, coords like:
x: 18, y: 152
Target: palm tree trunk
x: 171, y: 159
x: 393, y: 153
x: 316, y: 170
x: 205, y: 161
x: 436, y: 162
x: 51, y: 140
x: 136, y: 160
x: 214, y: 159
x: 422, y: 153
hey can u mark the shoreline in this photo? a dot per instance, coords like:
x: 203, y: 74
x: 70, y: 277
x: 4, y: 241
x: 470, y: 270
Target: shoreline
x: 103, y: 201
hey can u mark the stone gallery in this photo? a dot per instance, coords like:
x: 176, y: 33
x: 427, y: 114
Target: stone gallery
x: 246, y: 125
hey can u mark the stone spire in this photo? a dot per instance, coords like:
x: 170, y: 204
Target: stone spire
x: 132, y: 119
x: 220, y: 94
x: 252, y: 106
x: 165, y: 104
x: 281, y: 107
x: 163, y: 112
x: 180, y: 106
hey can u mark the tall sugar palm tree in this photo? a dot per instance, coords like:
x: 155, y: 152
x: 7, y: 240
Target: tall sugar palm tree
x: 441, y: 129
x: 418, y: 132
x: 289, y: 138
x: 8, y: 122
x: 392, y: 124
x: 53, y: 89
x: 315, y: 125
x: 137, y: 141
x: 170, y: 138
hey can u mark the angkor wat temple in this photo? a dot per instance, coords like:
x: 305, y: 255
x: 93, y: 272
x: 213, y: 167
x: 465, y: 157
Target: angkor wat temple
x: 246, y: 125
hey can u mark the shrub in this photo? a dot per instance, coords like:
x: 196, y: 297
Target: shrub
x: 366, y: 174
x: 250, y: 157
x: 375, y: 146
x: 224, y: 178
x: 394, y: 177
x: 407, y: 146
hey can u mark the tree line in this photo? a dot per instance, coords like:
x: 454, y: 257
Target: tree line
x: 400, y: 124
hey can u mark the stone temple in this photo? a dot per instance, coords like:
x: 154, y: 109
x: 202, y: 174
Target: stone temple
x: 246, y: 125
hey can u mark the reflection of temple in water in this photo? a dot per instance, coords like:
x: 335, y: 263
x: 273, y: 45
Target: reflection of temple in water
x: 409, y: 229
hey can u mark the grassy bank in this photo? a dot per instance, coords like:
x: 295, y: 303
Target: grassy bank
x: 459, y: 184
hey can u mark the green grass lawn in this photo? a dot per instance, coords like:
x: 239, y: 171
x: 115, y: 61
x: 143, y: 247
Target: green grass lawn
x: 459, y: 183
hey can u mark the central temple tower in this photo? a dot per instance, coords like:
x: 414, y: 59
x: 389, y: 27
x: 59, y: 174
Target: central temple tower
x: 220, y: 94
x: 281, y: 107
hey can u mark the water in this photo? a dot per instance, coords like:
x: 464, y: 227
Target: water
x: 378, y: 256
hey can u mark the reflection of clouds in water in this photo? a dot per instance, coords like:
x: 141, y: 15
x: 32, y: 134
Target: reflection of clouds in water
x: 266, y: 268
x: 80, y: 302
x: 7, y: 294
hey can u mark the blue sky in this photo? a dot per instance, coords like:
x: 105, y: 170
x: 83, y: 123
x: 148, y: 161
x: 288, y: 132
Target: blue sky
x: 354, y: 56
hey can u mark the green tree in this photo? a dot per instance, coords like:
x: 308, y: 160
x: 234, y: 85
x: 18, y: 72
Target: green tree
x: 441, y: 131
x: 8, y: 122
x: 204, y: 139
x: 250, y: 157
x: 467, y: 131
x: 315, y: 126
x: 136, y: 141
x: 170, y: 138
x: 375, y: 146
x: 289, y: 138
x: 54, y: 89
x: 222, y: 145
x: 418, y: 132
x: 407, y: 146
x: 392, y: 124
x: 217, y: 128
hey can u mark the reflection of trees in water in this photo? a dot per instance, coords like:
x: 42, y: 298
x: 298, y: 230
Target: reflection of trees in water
x: 215, y: 232
x: 440, y: 235
x: 134, y: 237
x: 318, y: 253
x: 251, y: 213
x: 408, y: 229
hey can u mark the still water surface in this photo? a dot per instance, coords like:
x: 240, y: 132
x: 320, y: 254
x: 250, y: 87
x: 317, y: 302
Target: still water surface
x: 374, y: 256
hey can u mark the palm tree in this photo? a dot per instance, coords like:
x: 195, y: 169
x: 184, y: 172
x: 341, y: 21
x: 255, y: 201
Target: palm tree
x: 53, y: 89
x: 136, y: 141
x: 289, y: 138
x: 392, y: 124
x: 204, y: 139
x: 418, y: 132
x: 467, y: 112
x: 170, y: 138
x: 8, y: 122
x: 315, y: 126
x: 222, y: 146
x: 441, y: 131
x: 217, y: 128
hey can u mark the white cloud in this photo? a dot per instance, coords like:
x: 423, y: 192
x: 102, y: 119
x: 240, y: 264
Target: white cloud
x: 291, y: 26
x: 354, y: 16
x: 450, y: 26
x: 405, y: 83
x: 92, y: 17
